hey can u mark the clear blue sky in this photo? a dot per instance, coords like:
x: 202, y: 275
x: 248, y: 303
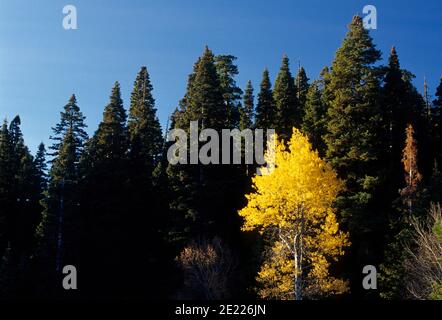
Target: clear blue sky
x: 41, y: 64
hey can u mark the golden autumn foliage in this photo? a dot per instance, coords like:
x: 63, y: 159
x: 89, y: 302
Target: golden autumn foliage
x: 293, y: 205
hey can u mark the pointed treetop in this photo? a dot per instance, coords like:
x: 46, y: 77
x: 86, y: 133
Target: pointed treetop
x: 393, y: 60
x: 247, y: 108
x: 40, y: 161
x: 16, y: 121
x: 73, y: 99
x: 302, y: 79
x: 114, y: 111
x: 5, y: 125
x: 285, y: 62
x: 356, y: 20
x: 393, y: 51
x: 284, y: 94
x: 358, y: 46
x: 144, y: 128
x: 265, y: 108
x: 409, y: 159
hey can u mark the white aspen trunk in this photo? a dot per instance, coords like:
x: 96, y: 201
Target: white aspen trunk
x: 298, y: 259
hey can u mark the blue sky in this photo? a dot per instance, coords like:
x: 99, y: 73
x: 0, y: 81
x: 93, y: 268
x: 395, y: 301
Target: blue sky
x: 41, y: 64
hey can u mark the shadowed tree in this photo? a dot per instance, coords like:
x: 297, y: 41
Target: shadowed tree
x: 265, y: 109
x: 302, y: 85
x: 247, y: 109
x: 354, y: 145
x: 288, y: 114
x: 105, y: 188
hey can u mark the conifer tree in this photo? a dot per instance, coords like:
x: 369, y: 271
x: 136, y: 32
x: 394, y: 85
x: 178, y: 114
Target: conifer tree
x: 143, y: 125
x: 354, y: 143
x: 6, y: 181
x: 41, y: 166
x: 287, y: 108
x: 20, y: 193
x: 314, y: 120
x: 59, y: 232
x: 399, y: 108
x: 411, y: 205
x: 302, y: 85
x: 205, y: 197
x: 265, y: 109
x: 145, y: 207
x: 105, y: 198
x: 227, y: 70
x: 247, y: 108
x: 437, y: 123
x: 71, y: 118
x: 24, y: 195
x: 109, y: 143
x: 61, y: 215
x: 203, y: 102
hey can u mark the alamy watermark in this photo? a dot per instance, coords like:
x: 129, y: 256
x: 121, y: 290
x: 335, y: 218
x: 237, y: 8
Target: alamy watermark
x: 70, y: 280
x: 221, y: 150
x: 70, y: 18
x: 370, y: 19
x: 369, y: 282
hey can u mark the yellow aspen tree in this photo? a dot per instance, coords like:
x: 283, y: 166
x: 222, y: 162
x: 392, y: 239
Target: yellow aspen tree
x: 292, y: 204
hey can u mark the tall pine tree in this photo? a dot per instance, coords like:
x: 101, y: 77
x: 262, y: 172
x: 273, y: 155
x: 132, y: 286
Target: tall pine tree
x: 302, y: 85
x: 265, y: 108
x: 203, y: 102
x: 247, y: 109
x: 227, y: 70
x: 6, y: 180
x: 60, y: 229
x: 145, y: 207
x: 437, y: 123
x: 105, y: 194
x: 287, y: 114
x: 314, y: 122
x: 353, y: 144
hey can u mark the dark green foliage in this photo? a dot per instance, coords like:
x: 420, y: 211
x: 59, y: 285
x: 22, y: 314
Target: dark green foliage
x: 72, y: 119
x: 204, y: 198
x: 398, y: 112
x: 302, y: 86
x: 435, y: 185
x: 247, y: 109
x: 265, y: 109
x: 288, y: 113
x: 437, y: 123
x: 392, y: 280
x: 41, y: 166
x: 59, y: 232
x: 401, y: 105
x: 354, y: 143
x: 105, y: 197
x: 144, y: 211
x: 202, y: 102
x: 227, y: 70
x: 6, y: 181
x: 143, y: 125
x: 314, y: 123
x: 20, y: 194
x: 354, y: 126
x: 108, y: 146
